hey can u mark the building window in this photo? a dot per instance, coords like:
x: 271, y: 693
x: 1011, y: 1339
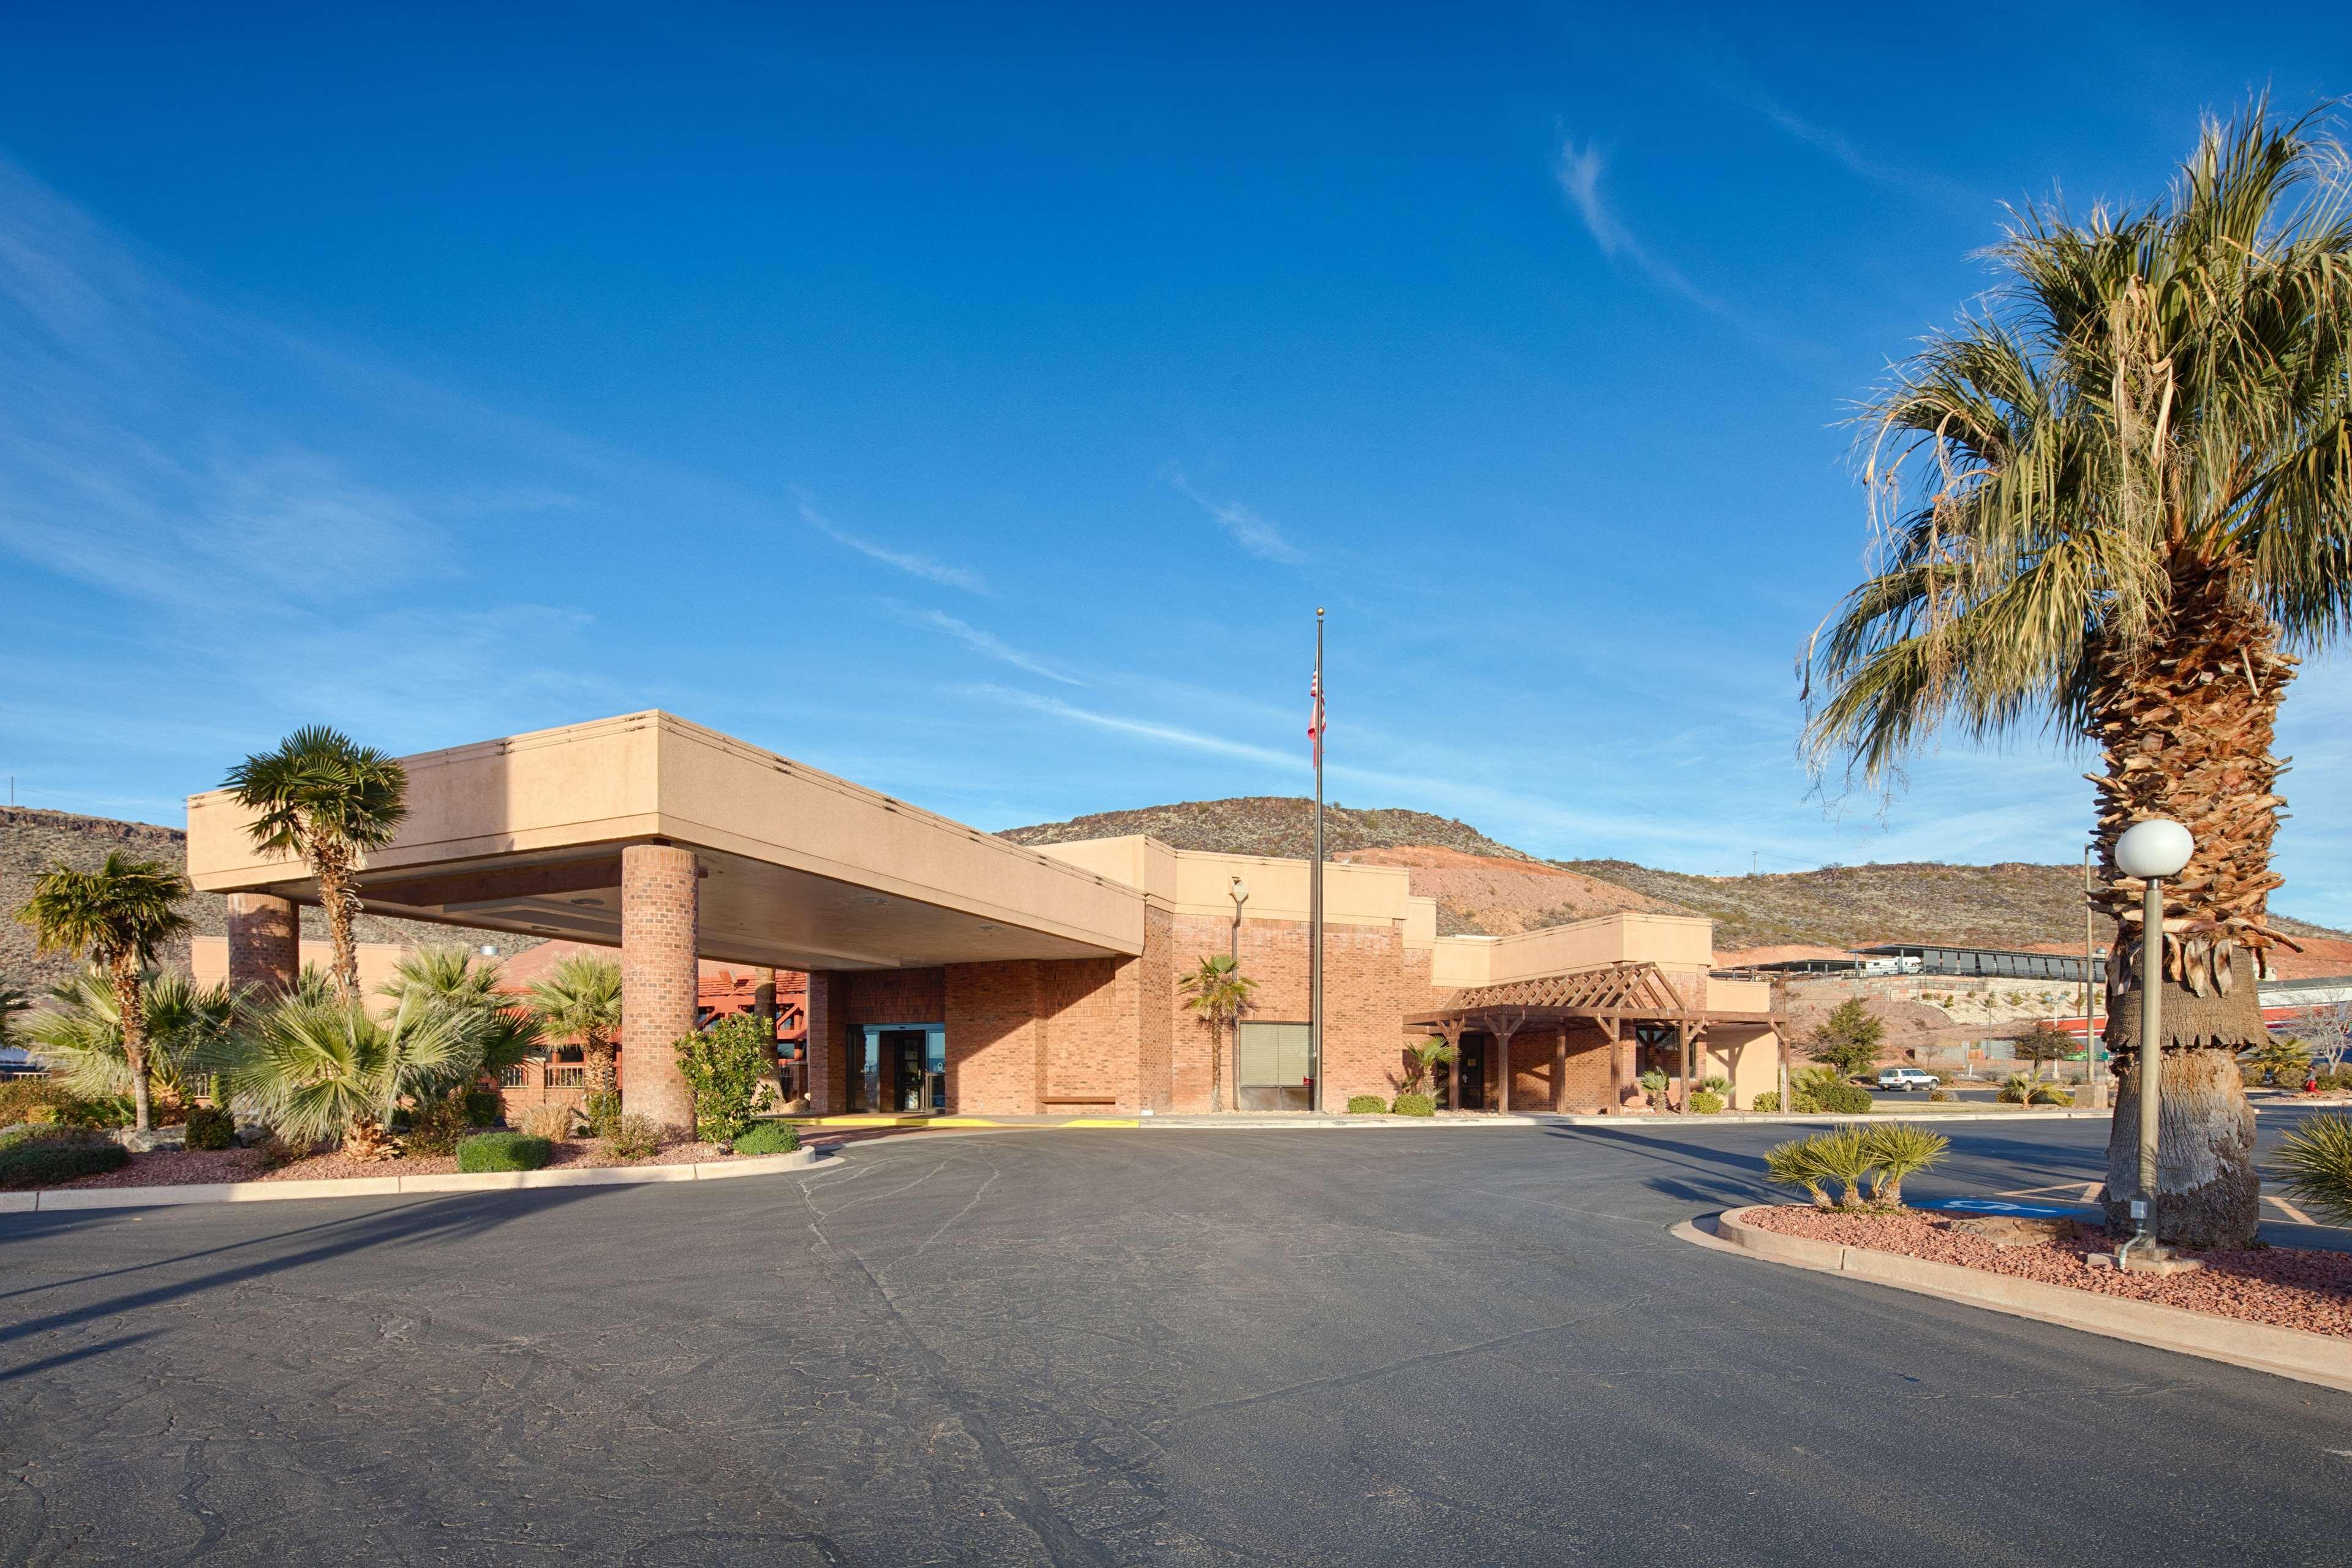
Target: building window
x: 1274, y: 1067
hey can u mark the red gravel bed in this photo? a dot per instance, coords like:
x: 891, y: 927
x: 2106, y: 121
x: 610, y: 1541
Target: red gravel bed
x: 2291, y: 1286
x: 194, y: 1167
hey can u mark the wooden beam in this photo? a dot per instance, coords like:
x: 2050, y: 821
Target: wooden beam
x: 1616, y: 1106
x: 1560, y: 1072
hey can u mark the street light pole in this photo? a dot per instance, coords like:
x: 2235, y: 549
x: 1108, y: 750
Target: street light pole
x: 2151, y: 850
x: 1239, y: 891
x: 2091, y: 1080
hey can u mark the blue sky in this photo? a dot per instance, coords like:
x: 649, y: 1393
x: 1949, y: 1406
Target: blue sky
x: 980, y: 408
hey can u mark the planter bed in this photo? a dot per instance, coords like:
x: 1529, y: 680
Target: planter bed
x: 194, y: 1167
x: 2289, y: 1288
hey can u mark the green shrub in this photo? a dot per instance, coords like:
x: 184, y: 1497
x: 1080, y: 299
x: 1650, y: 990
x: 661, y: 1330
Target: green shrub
x: 482, y: 1106
x: 31, y: 1100
x: 1842, y: 1098
x: 2021, y: 1089
x: 724, y: 1068
x: 436, y: 1126
x: 1716, y: 1083
x: 1653, y: 1082
x: 42, y: 1161
x: 2316, y: 1159
x: 769, y: 1138
x: 1366, y: 1105
x: 503, y: 1151
x: 633, y: 1137
x: 100, y: 1112
x: 601, y: 1111
x: 1706, y: 1102
x: 210, y: 1128
x: 1415, y: 1105
x: 1938, y: 1092
x: 1769, y: 1100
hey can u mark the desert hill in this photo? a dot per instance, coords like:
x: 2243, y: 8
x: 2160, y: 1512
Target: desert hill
x: 31, y: 841
x: 1483, y: 885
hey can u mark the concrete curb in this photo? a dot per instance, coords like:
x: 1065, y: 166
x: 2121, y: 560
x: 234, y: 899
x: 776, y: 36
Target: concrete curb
x: 2322, y: 1359
x: 60, y: 1199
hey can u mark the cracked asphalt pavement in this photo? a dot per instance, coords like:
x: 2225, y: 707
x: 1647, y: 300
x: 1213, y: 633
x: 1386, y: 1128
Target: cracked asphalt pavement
x: 1426, y: 1347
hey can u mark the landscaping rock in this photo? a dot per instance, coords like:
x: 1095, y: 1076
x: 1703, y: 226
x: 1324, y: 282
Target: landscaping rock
x: 2010, y: 1230
x: 155, y: 1137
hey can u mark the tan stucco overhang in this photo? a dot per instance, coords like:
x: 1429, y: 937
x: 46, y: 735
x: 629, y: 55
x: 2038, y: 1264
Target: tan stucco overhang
x: 801, y: 870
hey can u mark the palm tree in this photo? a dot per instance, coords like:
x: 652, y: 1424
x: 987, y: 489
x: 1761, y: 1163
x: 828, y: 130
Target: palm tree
x: 80, y: 1038
x: 1425, y: 1057
x: 317, y: 1070
x: 2112, y: 502
x: 115, y: 917
x: 454, y: 978
x: 580, y: 999
x: 327, y: 799
x: 1217, y: 990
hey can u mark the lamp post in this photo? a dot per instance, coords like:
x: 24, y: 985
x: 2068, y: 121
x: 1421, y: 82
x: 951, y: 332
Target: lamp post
x: 1239, y: 892
x: 2150, y: 850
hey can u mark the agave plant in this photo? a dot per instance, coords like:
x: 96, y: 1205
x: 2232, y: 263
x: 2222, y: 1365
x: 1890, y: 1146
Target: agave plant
x: 2315, y: 1162
x: 315, y: 1069
x: 1898, y: 1149
x: 79, y: 1037
x: 1797, y: 1164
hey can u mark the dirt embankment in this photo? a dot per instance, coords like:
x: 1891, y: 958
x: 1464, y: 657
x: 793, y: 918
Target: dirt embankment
x: 1488, y: 894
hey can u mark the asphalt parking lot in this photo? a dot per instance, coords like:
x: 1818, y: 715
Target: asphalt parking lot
x: 1429, y: 1347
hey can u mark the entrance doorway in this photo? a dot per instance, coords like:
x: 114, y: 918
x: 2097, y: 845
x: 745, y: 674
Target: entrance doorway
x: 905, y: 1068
x: 1274, y: 1070
x: 1470, y: 1073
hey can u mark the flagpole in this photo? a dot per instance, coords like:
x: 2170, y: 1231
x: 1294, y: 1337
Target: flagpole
x: 1315, y: 894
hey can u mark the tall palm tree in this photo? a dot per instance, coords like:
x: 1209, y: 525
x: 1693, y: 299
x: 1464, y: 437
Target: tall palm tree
x: 115, y: 917
x: 80, y: 1038
x: 2114, y: 501
x: 580, y: 999
x: 325, y: 798
x: 454, y: 978
x: 1218, y: 991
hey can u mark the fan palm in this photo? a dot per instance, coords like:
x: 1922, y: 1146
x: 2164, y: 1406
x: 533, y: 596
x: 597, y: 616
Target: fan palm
x: 80, y: 1038
x: 12, y: 1002
x: 328, y: 800
x: 580, y: 999
x: 317, y: 1069
x: 2114, y: 501
x: 1218, y: 991
x: 455, y: 978
x: 115, y: 917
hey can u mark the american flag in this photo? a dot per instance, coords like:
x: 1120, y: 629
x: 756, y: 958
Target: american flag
x: 1315, y: 720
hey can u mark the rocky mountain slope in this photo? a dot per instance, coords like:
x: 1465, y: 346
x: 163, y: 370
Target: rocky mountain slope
x: 1482, y: 884
x: 31, y: 841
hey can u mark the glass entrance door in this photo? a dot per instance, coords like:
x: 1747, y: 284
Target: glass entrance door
x: 906, y: 1067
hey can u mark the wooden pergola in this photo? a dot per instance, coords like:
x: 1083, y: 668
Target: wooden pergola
x: 1607, y: 998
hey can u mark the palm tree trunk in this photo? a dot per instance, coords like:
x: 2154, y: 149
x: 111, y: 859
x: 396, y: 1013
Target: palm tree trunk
x: 334, y: 874
x: 131, y: 1008
x: 2186, y: 726
x: 598, y: 1054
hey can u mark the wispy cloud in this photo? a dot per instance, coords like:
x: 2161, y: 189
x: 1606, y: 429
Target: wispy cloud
x: 1146, y: 728
x: 1250, y: 529
x: 988, y: 643
x: 906, y: 561
x: 1579, y: 172
x: 1930, y: 188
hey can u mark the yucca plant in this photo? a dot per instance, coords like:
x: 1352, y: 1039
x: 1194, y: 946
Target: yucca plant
x: 2118, y: 501
x: 315, y: 1071
x: 1898, y: 1149
x: 2020, y: 1089
x: 328, y: 800
x: 1797, y: 1164
x: 2315, y: 1166
x: 79, y: 1037
x: 116, y: 917
x: 1845, y: 1155
x: 2282, y: 1061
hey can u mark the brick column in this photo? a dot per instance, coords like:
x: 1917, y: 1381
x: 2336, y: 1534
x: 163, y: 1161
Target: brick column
x: 657, y: 978
x: 827, y: 1087
x: 265, y: 941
